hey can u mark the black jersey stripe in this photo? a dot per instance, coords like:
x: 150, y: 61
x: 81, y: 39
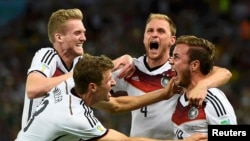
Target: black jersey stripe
x: 48, y: 56
x: 218, y: 106
x: 220, y: 103
x: 87, y: 114
x: 59, y: 137
x: 222, y: 108
x: 90, y: 111
x: 30, y: 109
x: 51, y: 57
x: 209, y: 99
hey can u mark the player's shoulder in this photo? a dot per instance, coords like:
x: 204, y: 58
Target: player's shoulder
x: 215, y: 94
x: 215, y: 91
x: 139, y: 62
x: 46, y: 50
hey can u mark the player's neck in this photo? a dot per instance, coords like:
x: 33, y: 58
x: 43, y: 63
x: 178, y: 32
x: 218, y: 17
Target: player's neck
x: 193, y: 83
x: 153, y: 63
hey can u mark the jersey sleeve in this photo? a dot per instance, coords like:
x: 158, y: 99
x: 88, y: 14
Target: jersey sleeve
x: 44, y: 61
x: 219, y: 110
x: 86, y: 127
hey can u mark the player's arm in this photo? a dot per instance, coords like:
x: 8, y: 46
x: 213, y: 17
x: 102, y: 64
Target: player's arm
x: 129, y: 103
x: 113, y: 135
x: 124, y: 62
x: 38, y: 85
x: 217, y: 77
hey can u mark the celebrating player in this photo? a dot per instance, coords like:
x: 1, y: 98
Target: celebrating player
x: 193, y: 59
x: 52, y: 65
x: 153, y: 72
x: 65, y: 114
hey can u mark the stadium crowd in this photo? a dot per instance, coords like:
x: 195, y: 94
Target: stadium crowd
x: 114, y: 28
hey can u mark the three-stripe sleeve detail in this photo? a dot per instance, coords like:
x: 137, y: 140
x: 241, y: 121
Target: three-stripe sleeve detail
x: 218, y: 106
x: 88, y: 115
x: 48, y: 56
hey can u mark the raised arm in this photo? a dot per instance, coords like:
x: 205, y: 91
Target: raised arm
x: 217, y: 77
x: 129, y: 103
x: 126, y: 63
x: 38, y: 85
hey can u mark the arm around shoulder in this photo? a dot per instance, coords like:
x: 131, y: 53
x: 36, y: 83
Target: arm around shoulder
x: 217, y: 77
x: 125, y: 63
x: 38, y: 85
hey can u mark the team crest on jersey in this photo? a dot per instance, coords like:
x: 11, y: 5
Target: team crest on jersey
x: 164, y: 81
x: 193, y: 113
x: 166, y: 76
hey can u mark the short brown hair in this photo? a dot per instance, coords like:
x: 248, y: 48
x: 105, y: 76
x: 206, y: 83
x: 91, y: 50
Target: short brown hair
x: 90, y: 69
x: 199, y: 49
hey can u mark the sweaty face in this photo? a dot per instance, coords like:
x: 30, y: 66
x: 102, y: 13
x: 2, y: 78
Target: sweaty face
x: 74, y: 37
x: 158, y: 39
x: 181, y: 65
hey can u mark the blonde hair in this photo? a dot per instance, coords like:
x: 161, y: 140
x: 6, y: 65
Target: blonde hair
x: 59, y: 18
x: 163, y: 17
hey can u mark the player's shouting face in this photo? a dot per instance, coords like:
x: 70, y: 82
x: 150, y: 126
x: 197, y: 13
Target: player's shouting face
x: 158, y: 39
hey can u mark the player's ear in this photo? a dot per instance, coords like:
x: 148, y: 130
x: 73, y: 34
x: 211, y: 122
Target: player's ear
x: 92, y: 87
x: 58, y: 37
x: 194, y: 65
x: 172, y: 40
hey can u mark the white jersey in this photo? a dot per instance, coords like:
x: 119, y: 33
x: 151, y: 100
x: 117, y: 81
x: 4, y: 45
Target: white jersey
x: 48, y: 63
x: 62, y: 116
x: 216, y: 110
x: 154, y: 120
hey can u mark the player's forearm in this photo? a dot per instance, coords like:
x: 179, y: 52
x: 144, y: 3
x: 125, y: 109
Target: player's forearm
x: 129, y: 103
x: 122, y: 60
x: 37, y: 85
x: 218, y: 77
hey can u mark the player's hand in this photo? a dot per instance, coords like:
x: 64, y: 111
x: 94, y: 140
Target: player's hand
x: 196, y: 137
x: 125, y: 63
x: 197, y: 95
x: 170, y: 89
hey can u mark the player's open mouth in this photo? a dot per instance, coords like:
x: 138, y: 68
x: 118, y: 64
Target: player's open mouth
x: 173, y: 73
x: 153, y: 45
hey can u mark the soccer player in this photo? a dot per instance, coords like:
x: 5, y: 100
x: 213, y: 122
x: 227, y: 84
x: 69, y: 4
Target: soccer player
x: 153, y: 72
x: 193, y: 59
x: 65, y: 113
x: 52, y: 65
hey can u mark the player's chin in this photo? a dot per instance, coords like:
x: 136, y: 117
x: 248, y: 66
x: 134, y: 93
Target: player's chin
x: 177, y: 81
x: 79, y: 52
x: 108, y: 96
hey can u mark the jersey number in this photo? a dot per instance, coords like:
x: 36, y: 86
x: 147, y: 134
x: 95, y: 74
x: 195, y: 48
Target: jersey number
x: 39, y: 109
x: 179, y: 134
x: 144, y: 111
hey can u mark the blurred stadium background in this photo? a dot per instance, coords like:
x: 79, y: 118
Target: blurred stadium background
x: 115, y: 27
